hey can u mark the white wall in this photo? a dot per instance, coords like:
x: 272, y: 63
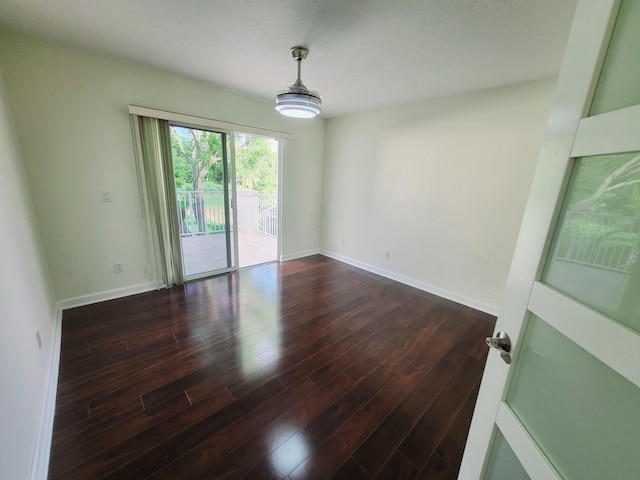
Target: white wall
x: 26, y: 305
x: 70, y: 112
x: 441, y: 184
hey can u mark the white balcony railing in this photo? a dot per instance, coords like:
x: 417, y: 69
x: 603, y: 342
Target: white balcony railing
x: 268, y: 214
x: 599, y: 240
x: 202, y: 213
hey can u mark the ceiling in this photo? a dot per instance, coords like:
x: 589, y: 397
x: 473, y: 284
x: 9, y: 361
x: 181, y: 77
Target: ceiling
x: 364, y: 54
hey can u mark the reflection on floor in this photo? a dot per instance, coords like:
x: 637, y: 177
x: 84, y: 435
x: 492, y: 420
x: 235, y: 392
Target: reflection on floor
x: 205, y: 253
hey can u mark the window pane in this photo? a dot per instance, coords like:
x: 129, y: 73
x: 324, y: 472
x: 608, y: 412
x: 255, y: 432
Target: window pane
x: 618, y: 82
x: 503, y: 463
x: 585, y: 415
x: 595, y: 256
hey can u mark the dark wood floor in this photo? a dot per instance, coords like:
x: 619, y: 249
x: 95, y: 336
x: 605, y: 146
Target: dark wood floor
x: 306, y: 369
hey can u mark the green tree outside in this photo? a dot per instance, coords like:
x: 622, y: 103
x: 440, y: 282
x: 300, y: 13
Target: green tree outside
x: 197, y: 161
x: 603, y: 210
x: 256, y: 164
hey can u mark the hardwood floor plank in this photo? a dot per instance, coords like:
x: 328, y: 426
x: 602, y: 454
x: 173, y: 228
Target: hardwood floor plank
x: 428, y: 431
x: 257, y: 448
x: 432, y: 337
x: 328, y: 421
x: 381, y: 444
x: 350, y: 470
x: 451, y: 447
x: 118, y: 457
x: 286, y: 356
x: 309, y: 368
x: 156, y: 375
x: 178, y: 444
x: 216, y: 446
x: 90, y: 446
x: 344, y: 439
x: 231, y: 369
x: 398, y: 468
x: 384, y: 440
x: 437, y: 469
x: 311, y: 363
x: 71, y: 417
x: 79, y: 431
x: 86, y: 364
x: 107, y: 381
x: 320, y: 367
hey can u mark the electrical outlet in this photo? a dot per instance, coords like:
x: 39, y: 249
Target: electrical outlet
x: 387, y: 254
x: 106, y: 196
x: 39, y: 339
x: 342, y: 242
x: 117, y: 267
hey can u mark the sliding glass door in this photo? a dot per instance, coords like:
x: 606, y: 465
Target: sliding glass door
x: 256, y: 168
x: 209, y: 195
x: 203, y: 172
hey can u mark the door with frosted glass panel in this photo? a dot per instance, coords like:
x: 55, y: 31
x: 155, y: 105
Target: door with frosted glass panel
x: 568, y: 406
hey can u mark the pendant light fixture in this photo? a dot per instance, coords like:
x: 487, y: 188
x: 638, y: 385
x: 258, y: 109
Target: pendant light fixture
x: 298, y: 101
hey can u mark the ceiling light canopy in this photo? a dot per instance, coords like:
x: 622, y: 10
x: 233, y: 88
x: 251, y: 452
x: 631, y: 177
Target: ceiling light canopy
x: 298, y: 101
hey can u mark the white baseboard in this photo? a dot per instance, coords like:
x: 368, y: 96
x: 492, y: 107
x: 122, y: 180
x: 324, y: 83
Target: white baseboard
x: 304, y: 253
x: 42, y: 452
x: 108, y: 295
x: 469, y: 302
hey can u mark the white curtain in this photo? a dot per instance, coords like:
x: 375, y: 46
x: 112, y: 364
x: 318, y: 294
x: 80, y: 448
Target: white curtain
x: 152, y: 146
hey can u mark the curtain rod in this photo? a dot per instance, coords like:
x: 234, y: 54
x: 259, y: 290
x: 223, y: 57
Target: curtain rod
x: 207, y: 122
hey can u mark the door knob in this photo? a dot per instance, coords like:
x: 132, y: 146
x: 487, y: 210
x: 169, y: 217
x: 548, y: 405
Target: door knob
x: 502, y: 344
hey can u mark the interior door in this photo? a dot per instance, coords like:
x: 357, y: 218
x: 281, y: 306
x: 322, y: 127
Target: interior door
x: 568, y: 404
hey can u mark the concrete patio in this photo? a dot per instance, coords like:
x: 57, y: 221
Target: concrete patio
x: 205, y: 253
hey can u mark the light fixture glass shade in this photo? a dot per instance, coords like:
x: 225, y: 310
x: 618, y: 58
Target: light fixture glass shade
x: 298, y: 104
x: 298, y: 101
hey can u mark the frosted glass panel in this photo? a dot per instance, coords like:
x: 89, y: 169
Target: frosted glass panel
x: 595, y: 255
x: 618, y: 82
x: 586, y: 416
x: 503, y: 463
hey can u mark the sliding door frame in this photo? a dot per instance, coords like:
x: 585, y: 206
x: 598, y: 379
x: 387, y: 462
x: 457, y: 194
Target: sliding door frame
x: 229, y: 130
x: 230, y: 203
